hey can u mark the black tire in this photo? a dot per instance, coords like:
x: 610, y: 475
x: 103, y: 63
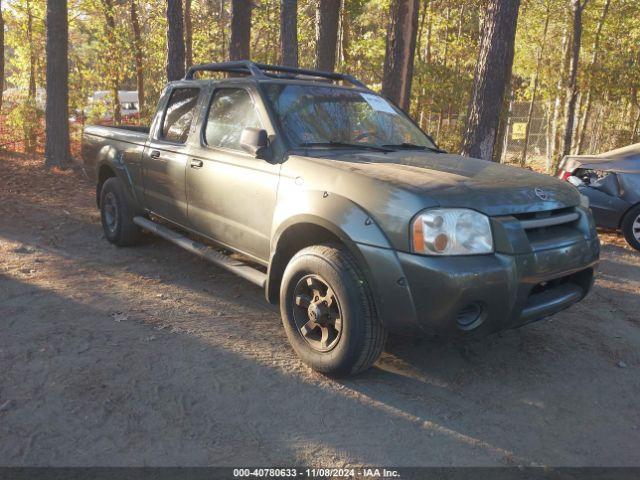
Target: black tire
x: 361, y: 338
x: 117, y: 212
x: 631, y: 227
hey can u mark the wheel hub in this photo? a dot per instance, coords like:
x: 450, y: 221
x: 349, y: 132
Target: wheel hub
x: 317, y: 313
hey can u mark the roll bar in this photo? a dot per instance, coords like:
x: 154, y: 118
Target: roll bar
x: 263, y: 70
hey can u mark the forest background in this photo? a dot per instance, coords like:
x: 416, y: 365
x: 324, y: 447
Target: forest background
x: 124, y: 45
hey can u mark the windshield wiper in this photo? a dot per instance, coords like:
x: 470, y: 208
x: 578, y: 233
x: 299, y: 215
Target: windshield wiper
x: 413, y: 146
x: 361, y: 146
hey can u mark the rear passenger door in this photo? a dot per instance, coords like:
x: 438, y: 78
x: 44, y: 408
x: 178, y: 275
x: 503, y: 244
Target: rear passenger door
x: 165, y: 157
x: 232, y: 194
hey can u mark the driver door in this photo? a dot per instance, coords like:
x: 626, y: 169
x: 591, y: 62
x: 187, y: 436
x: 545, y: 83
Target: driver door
x: 231, y: 194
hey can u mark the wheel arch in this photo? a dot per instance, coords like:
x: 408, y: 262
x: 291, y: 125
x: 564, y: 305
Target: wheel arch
x: 105, y: 172
x: 110, y: 163
x: 301, y: 232
x: 626, y: 212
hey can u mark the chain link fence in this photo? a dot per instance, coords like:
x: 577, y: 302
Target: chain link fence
x: 515, y: 139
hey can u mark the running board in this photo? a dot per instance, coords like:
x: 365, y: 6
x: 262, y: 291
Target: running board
x: 220, y: 259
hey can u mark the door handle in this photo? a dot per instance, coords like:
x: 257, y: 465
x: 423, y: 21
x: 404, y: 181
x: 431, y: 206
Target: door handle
x: 154, y: 154
x: 196, y: 163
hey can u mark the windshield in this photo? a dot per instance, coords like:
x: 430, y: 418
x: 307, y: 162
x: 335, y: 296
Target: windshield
x: 315, y: 115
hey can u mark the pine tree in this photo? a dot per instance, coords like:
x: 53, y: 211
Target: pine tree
x: 57, y: 105
x: 493, y: 68
x: 401, y: 46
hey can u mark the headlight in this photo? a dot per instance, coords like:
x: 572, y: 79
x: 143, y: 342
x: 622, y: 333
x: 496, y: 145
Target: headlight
x: 452, y: 231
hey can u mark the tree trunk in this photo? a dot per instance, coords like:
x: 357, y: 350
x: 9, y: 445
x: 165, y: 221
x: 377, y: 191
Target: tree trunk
x: 636, y: 126
x: 138, y: 55
x: 327, y: 17
x: 427, y: 43
x: 534, y: 86
x: 289, y: 32
x: 32, y: 57
x: 401, y: 45
x: 576, y: 122
x: 239, y: 47
x: 345, y: 34
x: 221, y: 27
x: 507, y: 105
x: 56, y: 151
x: 491, y: 76
x: 423, y: 21
x: 557, y: 106
x: 592, y: 65
x: 1, y: 55
x: 572, y: 84
x: 503, y: 126
x: 110, y: 27
x: 188, y: 34
x: 30, y: 121
x: 445, y: 55
x: 175, y: 40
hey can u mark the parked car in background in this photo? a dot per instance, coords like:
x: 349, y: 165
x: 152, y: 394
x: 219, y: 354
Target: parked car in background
x: 611, y: 180
x: 100, y: 101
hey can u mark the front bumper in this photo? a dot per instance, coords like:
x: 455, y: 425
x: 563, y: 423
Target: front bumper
x: 532, y: 275
x: 494, y: 292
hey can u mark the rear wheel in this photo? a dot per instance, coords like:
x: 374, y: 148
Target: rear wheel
x: 631, y: 227
x: 328, y: 312
x: 117, y: 212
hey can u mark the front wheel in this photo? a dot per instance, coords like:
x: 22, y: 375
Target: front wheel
x: 328, y: 312
x: 631, y: 227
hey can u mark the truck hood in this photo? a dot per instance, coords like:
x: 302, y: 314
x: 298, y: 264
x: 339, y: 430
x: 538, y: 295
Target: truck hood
x: 457, y: 181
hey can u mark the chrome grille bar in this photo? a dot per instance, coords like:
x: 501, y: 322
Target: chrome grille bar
x: 549, y: 221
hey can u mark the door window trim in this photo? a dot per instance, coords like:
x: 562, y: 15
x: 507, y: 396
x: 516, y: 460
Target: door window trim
x: 158, y: 137
x: 205, y: 120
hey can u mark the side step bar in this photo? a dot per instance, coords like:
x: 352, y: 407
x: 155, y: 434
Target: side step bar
x: 220, y: 259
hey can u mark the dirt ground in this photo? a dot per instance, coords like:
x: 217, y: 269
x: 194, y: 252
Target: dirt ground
x: 149, y: 356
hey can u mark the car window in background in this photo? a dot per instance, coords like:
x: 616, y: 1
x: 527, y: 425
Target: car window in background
x: 179, y: 114
x: 313, y: 114
x: 230, y: 112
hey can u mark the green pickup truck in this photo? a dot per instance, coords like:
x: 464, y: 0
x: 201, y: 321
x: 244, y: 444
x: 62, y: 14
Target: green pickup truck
x: 333, y: 200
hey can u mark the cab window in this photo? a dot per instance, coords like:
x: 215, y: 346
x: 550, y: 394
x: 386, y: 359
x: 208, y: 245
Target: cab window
x: 179, y: 114
x: 231, y: 111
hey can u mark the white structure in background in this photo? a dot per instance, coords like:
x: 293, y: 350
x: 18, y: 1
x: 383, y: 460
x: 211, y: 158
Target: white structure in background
x: 129, y: 105
x: 12, y: 96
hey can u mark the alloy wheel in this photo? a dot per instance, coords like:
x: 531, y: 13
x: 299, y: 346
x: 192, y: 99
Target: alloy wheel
x: 110, y: 212
x: 317, y: 314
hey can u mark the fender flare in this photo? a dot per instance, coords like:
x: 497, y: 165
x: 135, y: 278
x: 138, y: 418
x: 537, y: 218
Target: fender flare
x: 357, y: 230
x: 110, y: 157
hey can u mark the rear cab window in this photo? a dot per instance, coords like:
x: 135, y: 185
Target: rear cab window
x: 179, y: 115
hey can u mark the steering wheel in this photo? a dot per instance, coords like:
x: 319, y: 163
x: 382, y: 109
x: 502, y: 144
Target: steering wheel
x: 367, y: 134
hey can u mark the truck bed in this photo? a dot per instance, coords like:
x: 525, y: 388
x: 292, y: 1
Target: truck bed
x: 127, y: 140
x: 133, y: 133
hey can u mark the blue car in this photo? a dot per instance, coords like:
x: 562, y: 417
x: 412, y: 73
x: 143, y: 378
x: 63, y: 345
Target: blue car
x: 611, y: 180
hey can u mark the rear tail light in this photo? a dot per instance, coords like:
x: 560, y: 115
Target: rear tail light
x: 564, y: 175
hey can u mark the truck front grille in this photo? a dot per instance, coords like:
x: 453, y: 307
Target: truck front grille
x: 550, y: 226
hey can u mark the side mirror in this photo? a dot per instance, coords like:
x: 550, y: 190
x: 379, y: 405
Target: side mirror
x: 255, y: 142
